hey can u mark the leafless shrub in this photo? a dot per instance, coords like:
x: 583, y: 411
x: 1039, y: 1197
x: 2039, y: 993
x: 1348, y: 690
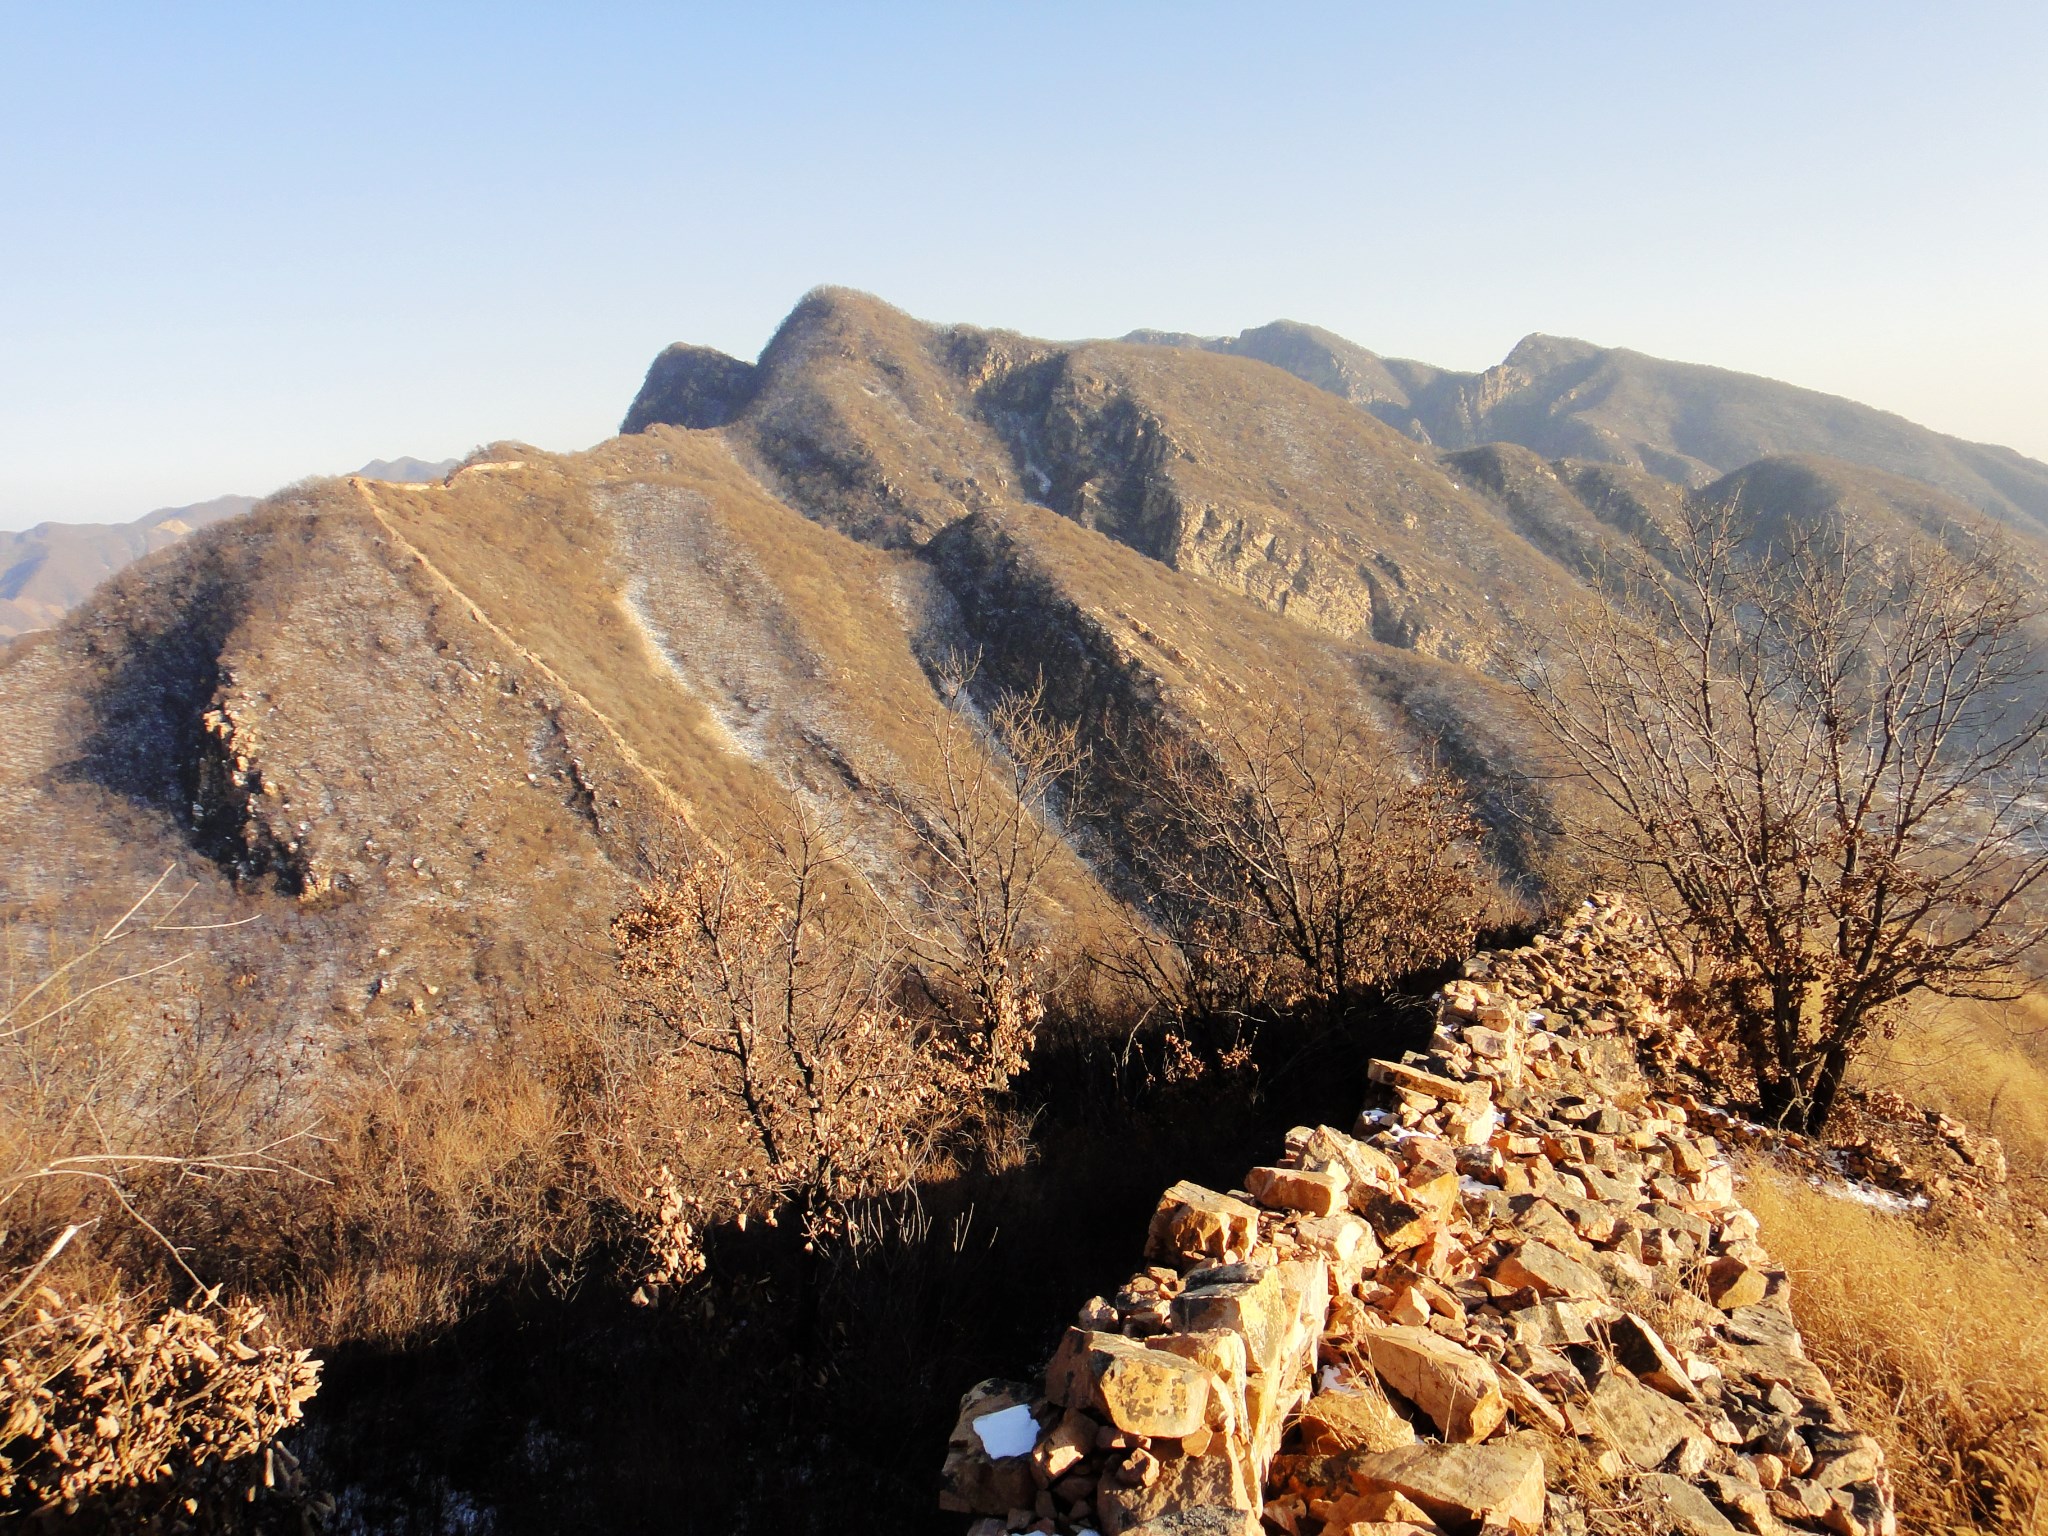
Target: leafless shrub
x: 765, y: 999
x: 119, y: 1403
x: 1298, y: 861
x: 987, y: 824
x: 1817, y: 754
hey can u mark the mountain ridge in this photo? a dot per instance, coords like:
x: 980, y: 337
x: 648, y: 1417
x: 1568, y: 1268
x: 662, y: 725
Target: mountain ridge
x: 46, y: 570
x: 1685, y: 422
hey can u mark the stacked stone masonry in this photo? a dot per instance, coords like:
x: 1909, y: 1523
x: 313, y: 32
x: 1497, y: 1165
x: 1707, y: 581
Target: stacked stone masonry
x: 1519, y: 1296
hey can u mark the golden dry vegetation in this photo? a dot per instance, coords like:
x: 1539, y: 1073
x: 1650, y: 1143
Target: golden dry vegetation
x: 1929, y: 1326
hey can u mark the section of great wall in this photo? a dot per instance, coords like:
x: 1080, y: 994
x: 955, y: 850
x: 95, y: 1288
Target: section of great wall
x: 1520, y: 1296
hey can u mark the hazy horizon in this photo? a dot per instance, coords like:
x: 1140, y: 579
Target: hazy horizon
x: 257, y: 245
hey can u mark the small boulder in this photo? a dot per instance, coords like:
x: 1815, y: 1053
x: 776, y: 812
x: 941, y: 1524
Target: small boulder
x: 1732, y: 1284
x: 1642, y: 1349
x: 1193, y: 1223
x: 1455, y: 1387
x: 1461, y: 1485
x: 1643, y: 1425
x: 1245, y: 1299
x: 1352, y: 1419
x: 1141, y: 1391
x: 1547, y: 1272
x: 1298, y: 1189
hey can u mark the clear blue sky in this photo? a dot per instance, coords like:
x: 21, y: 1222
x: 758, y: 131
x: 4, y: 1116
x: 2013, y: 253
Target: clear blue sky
x: 243, y: 244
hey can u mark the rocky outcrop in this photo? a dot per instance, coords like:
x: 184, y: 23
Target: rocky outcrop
x: 694, y: 387
x: 1520, y: 1295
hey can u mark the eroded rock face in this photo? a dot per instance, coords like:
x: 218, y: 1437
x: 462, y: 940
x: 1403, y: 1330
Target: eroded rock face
x: 1522, y: 1264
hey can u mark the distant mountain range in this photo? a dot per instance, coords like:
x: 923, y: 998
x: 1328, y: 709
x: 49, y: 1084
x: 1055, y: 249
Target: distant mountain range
x: 1683, y: 422
x: 47, y: 570
x: 432, y: 730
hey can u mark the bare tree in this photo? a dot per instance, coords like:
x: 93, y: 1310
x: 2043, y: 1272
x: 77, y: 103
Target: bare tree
x: 1300, y: 860
x: 1823, y: 758
x: 988, y: 823
x: 771, y: 991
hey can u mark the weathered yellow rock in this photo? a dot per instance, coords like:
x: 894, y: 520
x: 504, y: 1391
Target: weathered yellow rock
x: 1547, y: 1272
x: 1437, y: 1195
x: 1353, y: 1419
x: 1066, y: 1445
x: 1141, y: 1391
x: 1344, y: 1239
x: 1372, y: 1512
x: 1529, y: 1405
x: 1298, y: 1189
x: 1732, y: 1283
x: 1642, y: 1349
x: 1193, y: 1223
x: 1221, y: 1350
x: 1181, y: 1485
x: 1399, y: 1224
x: 1245, y: 1299
x: 1456, y: 1388
x: 1464, y: 1485
x: 1413, y: 1080
x: 1363, y: 1163
x: 1643, y: 1425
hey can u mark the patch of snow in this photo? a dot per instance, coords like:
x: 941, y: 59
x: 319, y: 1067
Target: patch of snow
x: 1007, y: 1432
x: 735, y: 733
x: 1891, y: 1202
x: 1483, y: 1128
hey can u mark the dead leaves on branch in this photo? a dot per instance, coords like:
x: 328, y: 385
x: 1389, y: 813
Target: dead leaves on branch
x: 772, y: 1003
x: 156, y: 1414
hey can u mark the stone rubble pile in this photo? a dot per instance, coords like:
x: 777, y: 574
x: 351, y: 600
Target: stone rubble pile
x: 1519, y: 1296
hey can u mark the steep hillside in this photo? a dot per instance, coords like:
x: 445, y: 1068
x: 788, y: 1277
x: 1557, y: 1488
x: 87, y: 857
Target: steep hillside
x: 1680, y: 421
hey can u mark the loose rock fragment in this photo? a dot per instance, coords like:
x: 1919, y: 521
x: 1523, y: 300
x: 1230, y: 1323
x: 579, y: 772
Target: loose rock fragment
x: 1193, y: 1223
x: 1456, y: 1388
x: 1352, y: 1419
x: 1732, y: 1284
x: 1297, y: 1189
x: 1141, y: 1391
x: 1643, y: 1425
x: 1499, y: 1485
x: 1547, y: 1272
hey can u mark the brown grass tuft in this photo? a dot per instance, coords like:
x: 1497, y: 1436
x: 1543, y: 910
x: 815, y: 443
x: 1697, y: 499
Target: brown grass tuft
x: 1935, y: 1344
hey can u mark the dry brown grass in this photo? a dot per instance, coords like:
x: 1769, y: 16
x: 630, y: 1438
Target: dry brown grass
x: 1985, y: 1063
x: 1935, y: 1343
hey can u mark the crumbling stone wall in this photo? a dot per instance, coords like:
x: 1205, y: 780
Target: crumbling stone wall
x: 1519, y: 1295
